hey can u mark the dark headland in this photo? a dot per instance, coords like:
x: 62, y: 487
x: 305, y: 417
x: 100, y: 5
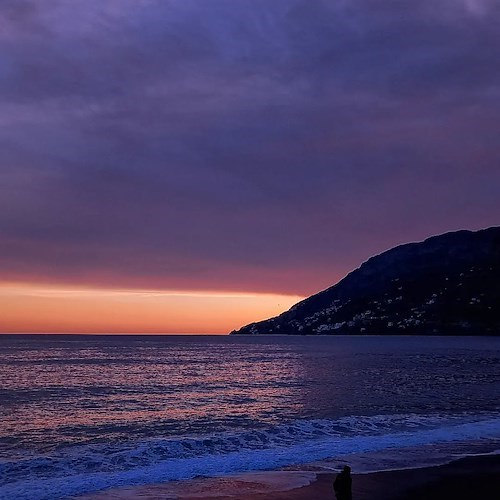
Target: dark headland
x: 446, y: 285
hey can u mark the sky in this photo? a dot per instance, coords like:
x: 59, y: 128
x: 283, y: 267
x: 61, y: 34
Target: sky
x: 184, y: 166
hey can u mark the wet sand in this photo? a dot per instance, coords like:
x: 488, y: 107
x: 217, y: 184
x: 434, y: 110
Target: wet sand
x: 465, y: 479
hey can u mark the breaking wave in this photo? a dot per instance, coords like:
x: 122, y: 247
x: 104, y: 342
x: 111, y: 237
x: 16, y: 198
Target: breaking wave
x: 74, y: 470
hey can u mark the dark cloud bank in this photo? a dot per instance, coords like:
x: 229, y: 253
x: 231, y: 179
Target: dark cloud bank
x: 262, y: 145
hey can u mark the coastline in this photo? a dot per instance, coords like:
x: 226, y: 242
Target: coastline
x: 465, y: 478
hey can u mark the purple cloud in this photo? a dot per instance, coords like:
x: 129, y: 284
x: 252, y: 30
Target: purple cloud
x: 240, y: 144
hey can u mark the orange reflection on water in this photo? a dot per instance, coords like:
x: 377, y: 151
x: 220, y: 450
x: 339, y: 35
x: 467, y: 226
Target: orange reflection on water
x: 153, y: 387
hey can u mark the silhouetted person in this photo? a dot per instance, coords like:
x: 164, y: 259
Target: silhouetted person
x: 343, y: 484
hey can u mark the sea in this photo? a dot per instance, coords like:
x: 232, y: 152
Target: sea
x: 80, y: 414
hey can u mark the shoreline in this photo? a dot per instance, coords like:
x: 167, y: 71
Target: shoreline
x: 469, y: 477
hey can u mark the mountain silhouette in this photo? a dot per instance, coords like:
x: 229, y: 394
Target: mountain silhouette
x: 446, y: 285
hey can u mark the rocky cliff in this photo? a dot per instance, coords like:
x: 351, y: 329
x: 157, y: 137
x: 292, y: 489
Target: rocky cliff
x: 446, y: 285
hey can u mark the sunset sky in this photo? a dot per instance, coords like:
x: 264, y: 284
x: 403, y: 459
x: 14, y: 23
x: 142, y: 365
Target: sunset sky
x: 186, y: 166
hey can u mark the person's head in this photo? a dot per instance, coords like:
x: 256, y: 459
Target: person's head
x: 347, y: 469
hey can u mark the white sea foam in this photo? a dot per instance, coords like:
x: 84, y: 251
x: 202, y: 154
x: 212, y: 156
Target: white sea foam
x: 76, y: 470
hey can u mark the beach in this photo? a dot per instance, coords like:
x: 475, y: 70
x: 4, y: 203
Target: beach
x: 467, y: 478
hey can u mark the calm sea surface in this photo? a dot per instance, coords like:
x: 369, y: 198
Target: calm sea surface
x: 83, y: 413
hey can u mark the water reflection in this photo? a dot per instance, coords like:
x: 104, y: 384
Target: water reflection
x: 118, y: 388
x: 110, y: 388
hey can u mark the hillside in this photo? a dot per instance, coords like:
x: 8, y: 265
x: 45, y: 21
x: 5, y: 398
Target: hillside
x: 446, y: 285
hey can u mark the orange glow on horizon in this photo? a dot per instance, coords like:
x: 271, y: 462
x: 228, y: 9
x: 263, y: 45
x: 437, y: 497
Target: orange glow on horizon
x: 35, y: 308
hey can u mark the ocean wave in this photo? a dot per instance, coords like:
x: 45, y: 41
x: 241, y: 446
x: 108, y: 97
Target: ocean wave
x: 74, y: 470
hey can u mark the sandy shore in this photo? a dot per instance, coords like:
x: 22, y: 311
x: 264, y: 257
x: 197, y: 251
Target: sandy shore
x: 465, y: 479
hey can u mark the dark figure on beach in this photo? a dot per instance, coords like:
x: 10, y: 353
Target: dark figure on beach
x: 343, y: 484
